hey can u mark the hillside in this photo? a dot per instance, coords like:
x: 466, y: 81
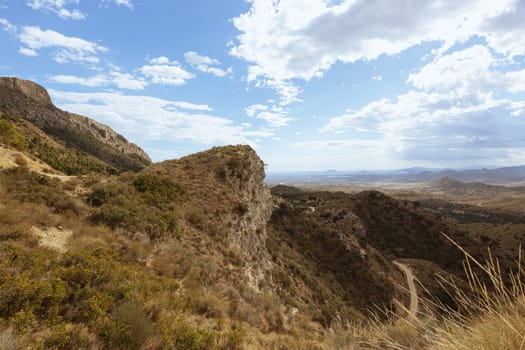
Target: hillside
x: 89, y: 145
x: 454, y: 187
x: 198, y: 253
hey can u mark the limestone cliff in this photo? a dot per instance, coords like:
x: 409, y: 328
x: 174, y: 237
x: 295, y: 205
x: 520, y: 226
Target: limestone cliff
x: 30, y: 101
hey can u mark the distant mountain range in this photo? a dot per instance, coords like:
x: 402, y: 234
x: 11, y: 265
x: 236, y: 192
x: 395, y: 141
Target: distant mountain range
x: 504, y: 175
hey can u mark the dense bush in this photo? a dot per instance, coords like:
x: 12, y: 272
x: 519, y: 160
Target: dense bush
x: 10, y: 136
x: 95, y: 289
x: 15, y: 133
x: 189, y: 338
x: 67, y: 160
x: 28, y: 186
x: 88, y: 144
x: 146, y: 206
x: 95, y: 299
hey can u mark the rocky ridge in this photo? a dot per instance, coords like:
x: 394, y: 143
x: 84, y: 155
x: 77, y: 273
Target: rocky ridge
x: 226, y: 188
x: 30, y: 101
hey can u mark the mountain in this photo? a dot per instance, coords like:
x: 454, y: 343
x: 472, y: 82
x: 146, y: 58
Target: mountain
x: 29, y: 107
x: 451, y: 186
x: 199, y: 253
x: 504, y: 175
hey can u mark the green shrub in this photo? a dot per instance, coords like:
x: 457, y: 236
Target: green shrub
x: 197, y: 218
x: 129, y: 328
x: 115, y: 160
x: 156, y: 188
x: 188, y: 338
x: 10, y: 136
x: 68, y: 336
x: 234, y: 338
x: 96, y: 290
x: 28, y: 186
x: 67, y: 160
x: 147, y: 206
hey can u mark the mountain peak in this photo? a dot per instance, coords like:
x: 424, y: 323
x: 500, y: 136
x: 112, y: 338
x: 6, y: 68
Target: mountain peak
x: 28, y: 88
x: 446, y: 182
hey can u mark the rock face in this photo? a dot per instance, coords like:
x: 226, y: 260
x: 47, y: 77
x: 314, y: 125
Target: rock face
x: 30, y: 101
x: 249, y: 231
x: 28, y: 89
x: 226, y: 186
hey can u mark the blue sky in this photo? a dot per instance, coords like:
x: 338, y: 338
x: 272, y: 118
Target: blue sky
x: 310, y: 84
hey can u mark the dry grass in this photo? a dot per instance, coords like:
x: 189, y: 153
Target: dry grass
x: 8, y: 340
x: 490, y: 315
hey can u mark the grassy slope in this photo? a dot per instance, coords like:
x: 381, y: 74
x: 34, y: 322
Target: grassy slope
x: 184, y: 289
x: 84, y: 152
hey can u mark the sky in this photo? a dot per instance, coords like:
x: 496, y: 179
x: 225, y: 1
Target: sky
x: 311, y: 85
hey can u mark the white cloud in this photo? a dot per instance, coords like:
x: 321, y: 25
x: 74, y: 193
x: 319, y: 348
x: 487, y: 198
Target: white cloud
x: 191, y: 106
x: 127, y: 3
x: 506, y: 33
x: 128, y: 81
x: 341, y: 145
x: 194, y: 58
x: 96, y: 81
x: 161, y: 60
x: 452, y: 114
x: 163, y: 71
x: 274, y: 119
x: 287, y: 39
x: 253, y: 109
x: 205, y: 64
x: 217, y: 71
x: 284, y: 40
x: 275, y: 116
x: 120, y: 80
x: 27, y: 52
x: 288, y: 92
x: 377, y: 77
x: 64, y: 48
x: 465, y: 71
x: 145, y: 118
x: 8, y: 27
x: 58, y: 7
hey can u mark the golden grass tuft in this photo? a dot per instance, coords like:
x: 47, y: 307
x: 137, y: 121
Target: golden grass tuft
x: 489, y: 316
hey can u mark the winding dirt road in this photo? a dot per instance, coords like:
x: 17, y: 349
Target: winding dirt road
x: 414, y: 300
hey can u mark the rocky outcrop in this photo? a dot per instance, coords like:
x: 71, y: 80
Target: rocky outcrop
x: 28, y: 89
x: 226, y: 187
x: 30, y: 101
x: 248, y: 233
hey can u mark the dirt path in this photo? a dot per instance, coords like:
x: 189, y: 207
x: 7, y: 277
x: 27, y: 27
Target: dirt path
x: 414, y: 300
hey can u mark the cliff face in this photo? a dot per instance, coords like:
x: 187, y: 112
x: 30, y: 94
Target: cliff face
x: 248, y: 233
x: 28, y: 89
x: 227, y: 191
x: 30, y: 101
